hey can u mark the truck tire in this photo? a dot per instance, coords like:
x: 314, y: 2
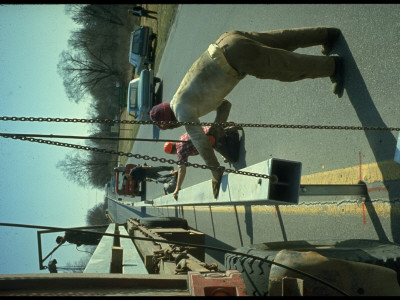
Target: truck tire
x: 256, y: 272
x: 164, y: 222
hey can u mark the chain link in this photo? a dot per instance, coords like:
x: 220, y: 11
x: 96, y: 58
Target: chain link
x: 224, y: 124
x: 273, y: 178
x: 138, y: 156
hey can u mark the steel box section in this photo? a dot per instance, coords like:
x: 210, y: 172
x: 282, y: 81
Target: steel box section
x: 239, y: 189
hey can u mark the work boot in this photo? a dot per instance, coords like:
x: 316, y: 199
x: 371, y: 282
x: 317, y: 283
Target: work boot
x: 333, y: 34
x: 337, y: 77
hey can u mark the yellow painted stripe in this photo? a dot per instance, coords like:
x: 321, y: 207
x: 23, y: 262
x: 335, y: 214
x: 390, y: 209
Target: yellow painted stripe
x: 373, y: 172
x: 381, y: 208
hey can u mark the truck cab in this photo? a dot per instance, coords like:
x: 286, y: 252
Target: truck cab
x: 130, y: 187
x: 141, y: 49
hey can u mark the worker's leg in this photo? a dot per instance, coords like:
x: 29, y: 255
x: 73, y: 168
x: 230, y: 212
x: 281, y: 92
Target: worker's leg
x: 151, y: 17
x: 250, y: 57
x: 223, y: 112
x: 287, y: 39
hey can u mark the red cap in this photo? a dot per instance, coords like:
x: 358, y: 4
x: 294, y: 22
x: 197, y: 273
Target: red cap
x: 168, y: 147
x: 161, y: 112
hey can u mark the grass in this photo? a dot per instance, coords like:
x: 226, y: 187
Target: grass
x: 166, y: 16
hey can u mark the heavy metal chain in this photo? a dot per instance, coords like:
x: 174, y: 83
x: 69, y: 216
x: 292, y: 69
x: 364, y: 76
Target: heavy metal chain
x: 224, y: 124
x: 272, y: 178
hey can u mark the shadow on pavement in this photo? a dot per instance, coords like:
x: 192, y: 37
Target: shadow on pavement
x: 157, y: 100
x: 241, y: 163
x: 217, y: 256
x: 382, y: 143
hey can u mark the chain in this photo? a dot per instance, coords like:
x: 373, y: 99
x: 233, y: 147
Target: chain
x: 272, y: 178
x: 224, y: 124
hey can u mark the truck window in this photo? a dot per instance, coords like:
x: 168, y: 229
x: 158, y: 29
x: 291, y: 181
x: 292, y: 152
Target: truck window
x: 120, y: 180
x: 136, y: 42
x: 133, y: 98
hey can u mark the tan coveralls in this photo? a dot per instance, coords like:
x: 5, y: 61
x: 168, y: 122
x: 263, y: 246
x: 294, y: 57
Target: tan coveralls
x: 265, y: 55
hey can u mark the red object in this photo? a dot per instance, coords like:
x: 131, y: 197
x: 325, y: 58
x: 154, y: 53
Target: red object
x: 161, y: 112
x: 212, y: 140
x: 168, y: 147
x: 129, y: 188
x: 229, y: 283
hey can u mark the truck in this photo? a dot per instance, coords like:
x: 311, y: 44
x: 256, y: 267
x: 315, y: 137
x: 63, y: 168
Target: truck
x: 129, y: 187
x: 291, y: 268
x: 162, y: 256
x: 141, y: 48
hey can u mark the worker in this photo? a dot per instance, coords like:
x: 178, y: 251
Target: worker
x: 142, y: 12
x: 142, y: 173
x: 222, y: 143
x: 169, y: 182
x: 265, y: 55
x: 80, y: 238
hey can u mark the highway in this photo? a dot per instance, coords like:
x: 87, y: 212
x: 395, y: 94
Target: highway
x: 369, y: 45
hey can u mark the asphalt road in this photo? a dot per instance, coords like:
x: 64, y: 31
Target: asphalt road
x: 370, y: 48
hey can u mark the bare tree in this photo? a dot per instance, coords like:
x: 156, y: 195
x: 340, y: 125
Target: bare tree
x: 77, y: 266
x: 92, y: 14
x: 96, y: 59
x: 75, y: 167
x: 92, y: 169
x: 81, y: 73
x: 81, y: 38
x: 97, y: 215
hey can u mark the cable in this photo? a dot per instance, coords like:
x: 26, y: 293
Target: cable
x: 183, y: 244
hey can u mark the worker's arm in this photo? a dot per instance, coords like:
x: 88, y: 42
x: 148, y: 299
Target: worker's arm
x: 179, y: 181
x: 223, y: 112
x: 203, y: 146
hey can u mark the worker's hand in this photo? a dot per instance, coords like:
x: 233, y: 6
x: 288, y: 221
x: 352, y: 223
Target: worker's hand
x: 175, y: 194
x: 216, y: 182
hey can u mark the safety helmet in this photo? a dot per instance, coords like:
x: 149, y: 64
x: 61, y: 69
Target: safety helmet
x: 168, y: 147
x: 161, y: 112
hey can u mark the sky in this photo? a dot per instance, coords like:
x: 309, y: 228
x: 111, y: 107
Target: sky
x: 32, y: 190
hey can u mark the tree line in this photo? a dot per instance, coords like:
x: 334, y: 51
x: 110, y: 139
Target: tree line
x: 95, y: 62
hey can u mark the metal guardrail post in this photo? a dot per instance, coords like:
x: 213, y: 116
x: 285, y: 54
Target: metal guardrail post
x: 117, y: 253
x: 117, y: 241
